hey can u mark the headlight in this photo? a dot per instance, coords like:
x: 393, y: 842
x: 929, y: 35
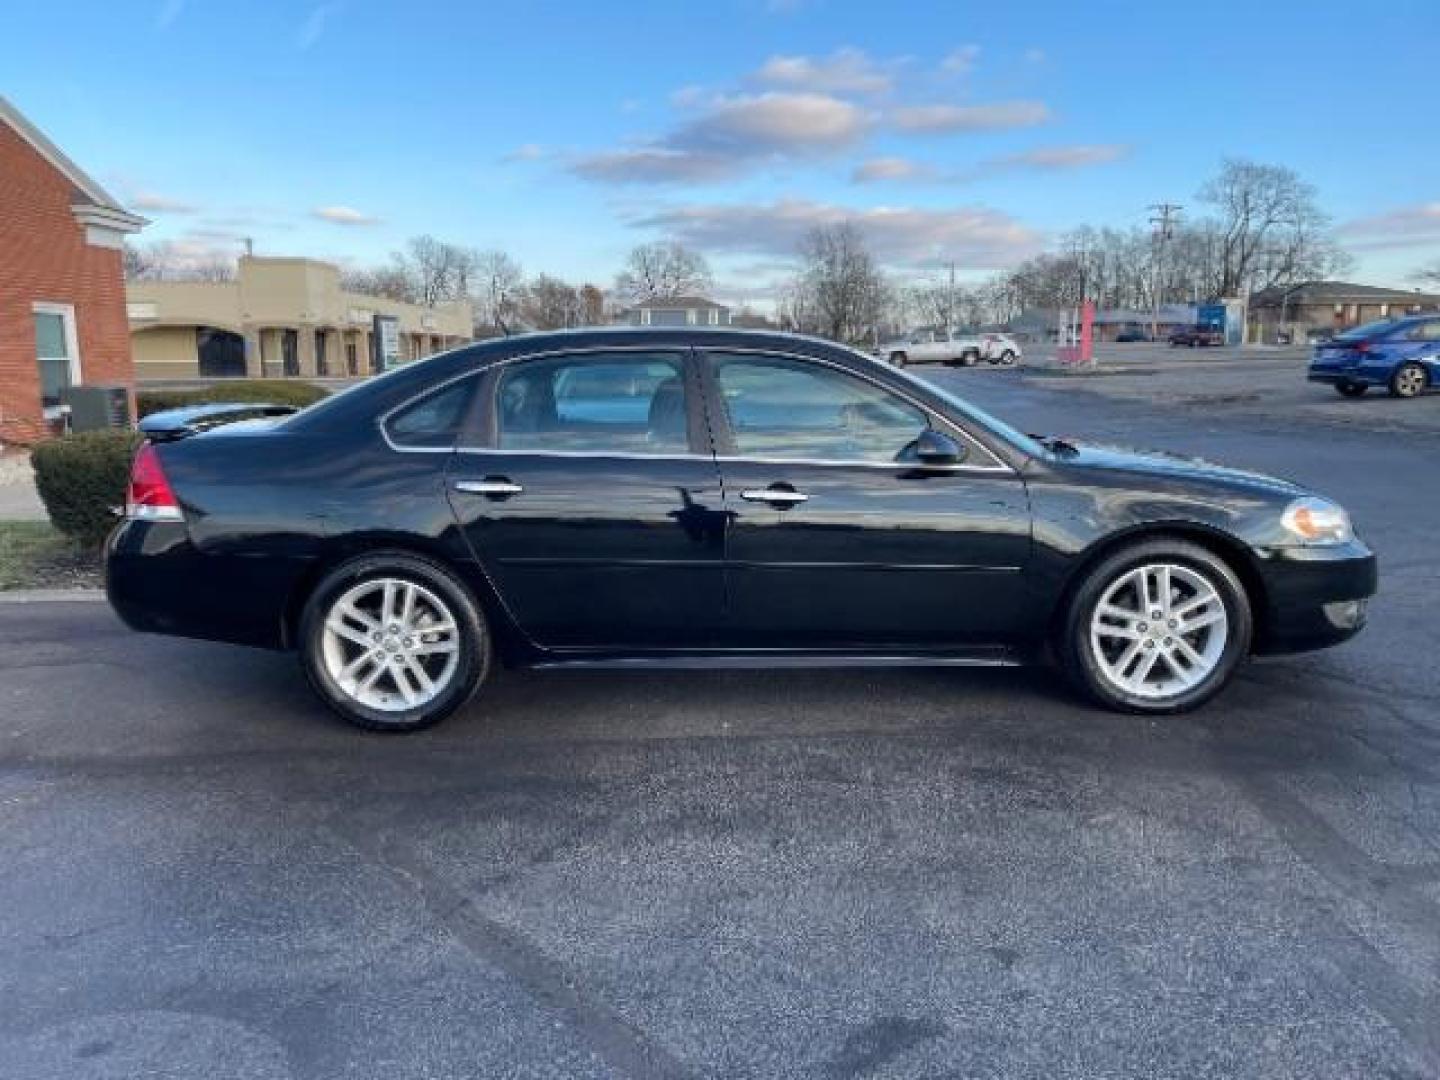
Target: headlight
x: 1313, y: 520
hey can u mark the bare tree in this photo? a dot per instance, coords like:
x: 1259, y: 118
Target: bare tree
x: 390, y: 282
x: 496, y: 282
x: 592, y: 306
x: 169, y: 261
x: 1271, y: 230
x: 663, y: 270
x: 839, y: 291
x: 438, y: 271
x: 550, y: 304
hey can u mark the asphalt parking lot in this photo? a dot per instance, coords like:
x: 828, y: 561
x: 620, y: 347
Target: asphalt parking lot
x: 817, y: 874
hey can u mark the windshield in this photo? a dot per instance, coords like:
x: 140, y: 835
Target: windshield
x: 1355, y: 333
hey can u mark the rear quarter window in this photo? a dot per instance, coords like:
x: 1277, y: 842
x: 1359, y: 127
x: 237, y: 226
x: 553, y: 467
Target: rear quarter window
x: 435, y: 421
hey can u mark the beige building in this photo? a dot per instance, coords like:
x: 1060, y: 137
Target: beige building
x: 279, y: 317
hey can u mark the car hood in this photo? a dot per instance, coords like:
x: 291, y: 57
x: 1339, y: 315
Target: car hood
x: 1160, y: 463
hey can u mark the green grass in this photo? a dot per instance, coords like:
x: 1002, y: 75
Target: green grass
x: 34, y: 555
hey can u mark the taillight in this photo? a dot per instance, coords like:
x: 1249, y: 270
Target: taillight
x: 150, y: 496
x: 1361, y: 347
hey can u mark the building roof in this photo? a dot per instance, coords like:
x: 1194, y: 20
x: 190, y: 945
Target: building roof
x: 1324, y: 292
x: 103, y: 207
x: 677, y: 303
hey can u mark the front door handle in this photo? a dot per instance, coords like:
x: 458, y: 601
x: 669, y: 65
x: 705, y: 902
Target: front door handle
x: 492, y: 487
x: 776, y: 496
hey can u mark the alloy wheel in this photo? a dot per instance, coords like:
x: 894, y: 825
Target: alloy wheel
x: 1158, y: 631
x: 1410, y: 380
x: 390, y: 644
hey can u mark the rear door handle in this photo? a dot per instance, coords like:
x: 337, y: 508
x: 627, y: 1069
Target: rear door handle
x: 777, y: 496
x: 492, y: 487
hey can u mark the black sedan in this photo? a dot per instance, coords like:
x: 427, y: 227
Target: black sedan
x: 707, y: 498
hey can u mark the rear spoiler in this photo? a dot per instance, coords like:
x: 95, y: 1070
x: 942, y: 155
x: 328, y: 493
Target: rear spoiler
x: 190, y: 420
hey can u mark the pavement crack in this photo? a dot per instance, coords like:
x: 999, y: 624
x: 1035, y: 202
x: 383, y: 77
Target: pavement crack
x: 608, y: 1034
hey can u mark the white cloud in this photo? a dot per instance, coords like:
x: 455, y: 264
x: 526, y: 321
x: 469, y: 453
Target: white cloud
x: 343, y: 215
x: 168, y: 12
x: 1403, y: 227
x: 1062, y: 157
x: 314, y: 25
x: 1034, y: 56
x: 976, y: 236
x: 939, y: 119
x: 730, y: 135
x: 878, y: 169
x: 153, y: 202
x: 525, y: 152
x: 962, y: 60
x: 846, y: 70
x: 754, y: 124
x: 654, y: 165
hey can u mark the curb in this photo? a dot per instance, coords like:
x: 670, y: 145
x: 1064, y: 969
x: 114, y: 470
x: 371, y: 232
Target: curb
x: 46, y: 596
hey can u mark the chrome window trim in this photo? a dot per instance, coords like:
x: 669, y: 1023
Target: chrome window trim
x: 623, y: 455
x: 382, y: 422
x: 998, y: 466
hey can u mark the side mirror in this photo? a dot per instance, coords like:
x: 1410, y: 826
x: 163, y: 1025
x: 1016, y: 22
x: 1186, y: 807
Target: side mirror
x: 936, y: 448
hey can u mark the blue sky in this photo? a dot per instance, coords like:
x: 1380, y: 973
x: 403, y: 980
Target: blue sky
x: 565, y: 133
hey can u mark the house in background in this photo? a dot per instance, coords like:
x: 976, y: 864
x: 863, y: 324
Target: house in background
x: 1295, y: 312
x: 279, y: 317
x: 62, y: 282
x: 676, y: 311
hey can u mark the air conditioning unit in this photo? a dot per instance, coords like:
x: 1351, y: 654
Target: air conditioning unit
x: 94, y: 408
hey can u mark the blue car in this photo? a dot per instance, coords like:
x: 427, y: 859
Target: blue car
x: 1402, y: 355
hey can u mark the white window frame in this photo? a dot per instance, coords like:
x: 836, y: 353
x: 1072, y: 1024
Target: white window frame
x: 72, y: 346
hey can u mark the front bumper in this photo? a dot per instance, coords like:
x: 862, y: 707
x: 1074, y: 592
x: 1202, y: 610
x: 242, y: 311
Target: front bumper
x: 1315, y: 596
x: 1354, y: 376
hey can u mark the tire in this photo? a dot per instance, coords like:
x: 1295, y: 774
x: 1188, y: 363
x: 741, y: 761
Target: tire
x: 1007, y: 357
x: 1092, y: 651
x: 898, y: 359
x: 1409, y: 380
x: 969, y: 358
x: 1350, y: 389
x: 397, y: 699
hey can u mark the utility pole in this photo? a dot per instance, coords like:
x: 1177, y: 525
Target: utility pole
x: 950, y: 301
x: 1164, y: 219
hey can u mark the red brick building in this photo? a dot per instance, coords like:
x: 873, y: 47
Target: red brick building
x: 62, y: 285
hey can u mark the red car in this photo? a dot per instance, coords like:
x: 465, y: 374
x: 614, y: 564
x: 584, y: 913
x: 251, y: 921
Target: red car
x: 1197, y: 335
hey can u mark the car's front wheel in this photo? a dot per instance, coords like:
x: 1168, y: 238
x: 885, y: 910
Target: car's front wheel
x: 1350, y: 389
x: 1007, y: 357
x: 393, y: 642
x: 1409, y: 380
x: 898, y: 359
x: 1156, y: 628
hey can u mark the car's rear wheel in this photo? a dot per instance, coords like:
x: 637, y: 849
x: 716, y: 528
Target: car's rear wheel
x: 899, y: 359
x: 969, y: 358
x: 1007, y: 357
x: 1350, y: 389
x: 1156, y: 628
x: 394, y: 642
x: 1409, y: 380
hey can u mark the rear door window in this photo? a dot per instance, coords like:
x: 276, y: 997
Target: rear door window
x: 603, y: 403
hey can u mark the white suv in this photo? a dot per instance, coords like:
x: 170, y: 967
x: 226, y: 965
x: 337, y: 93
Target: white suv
x: 939, y: 345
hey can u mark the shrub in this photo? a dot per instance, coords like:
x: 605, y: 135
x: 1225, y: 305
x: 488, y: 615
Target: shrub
x: 80, y: 477
x: 266, y: 391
